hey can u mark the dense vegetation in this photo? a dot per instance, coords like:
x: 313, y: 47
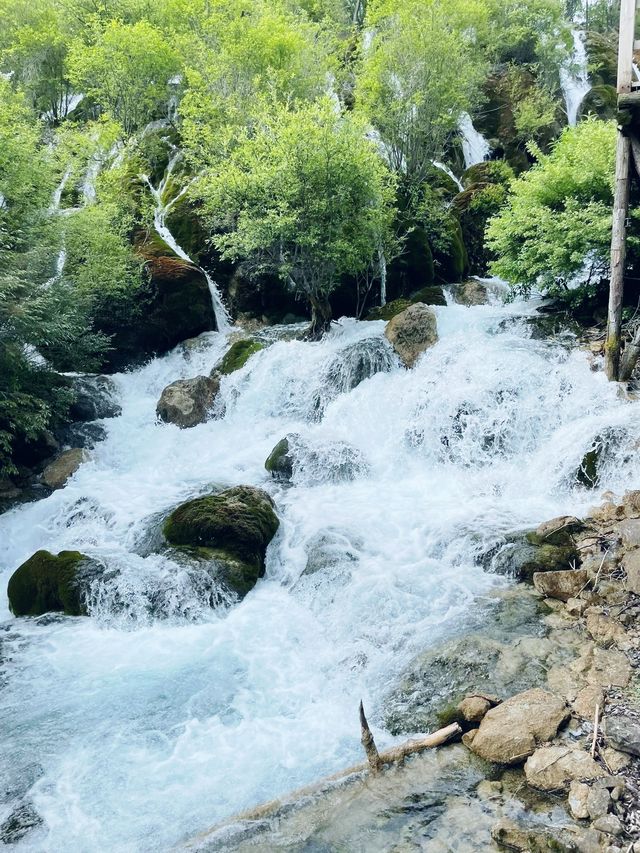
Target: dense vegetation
x: 304, y: 138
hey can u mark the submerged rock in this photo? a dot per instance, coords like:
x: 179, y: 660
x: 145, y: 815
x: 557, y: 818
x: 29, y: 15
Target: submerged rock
x: 95, y: 398
x: 238, y: 355
x: 235, y: 525
x: 186, y: 402
x: 510, y: 732
x: 56, y: 474
x: 48, y: 583
x: 333, y: 461
x: 20, y: 822
x: 412, y: 332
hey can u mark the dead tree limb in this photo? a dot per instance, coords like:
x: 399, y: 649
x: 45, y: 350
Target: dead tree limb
x: 369, y: 744
x: 630, y: 357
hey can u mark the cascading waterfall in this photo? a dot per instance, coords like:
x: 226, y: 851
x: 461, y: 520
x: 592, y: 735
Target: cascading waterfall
x: 162, y: 209
x: 157, y: 716
x: 443, y: 167
x: 574, y: 79
x: 475, y: 147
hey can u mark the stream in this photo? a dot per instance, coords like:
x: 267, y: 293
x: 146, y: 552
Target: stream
x: 157, y: 716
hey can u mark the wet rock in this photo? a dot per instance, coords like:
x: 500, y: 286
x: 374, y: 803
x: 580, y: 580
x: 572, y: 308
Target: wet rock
x: 473, y: 708
x: 470, y: 293
x: 236, y: 525
x: 332, y: 461
x: 389, y: 311
x: 56, y: 474
x: 559, y: 531
x: 237, y: 356
x: 562, y: 585
x: 187, y: 402
x: 20, y: 822
x: 280, y: 461
x: 352, y: 365
x: 48, y: 583
x: 553, y: 768
x: 533, y: 839
x: 412, y: 332
x: 509, y: 733
x: 95, y: 398
x: 623, y: 733
x: 82, y: 434
x: 525, y: 553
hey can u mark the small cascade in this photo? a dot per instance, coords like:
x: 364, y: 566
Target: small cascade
x: 162, y: 209
x: 54, y: 210
x: 475, y: 147
x: 444, y: 168
x: 54, y: 207
x: 574, y: 79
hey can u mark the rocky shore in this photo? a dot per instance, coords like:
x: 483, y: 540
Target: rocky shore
x: 547, y: 696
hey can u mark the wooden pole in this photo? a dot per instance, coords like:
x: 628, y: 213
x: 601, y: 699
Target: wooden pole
x: 621, y: 197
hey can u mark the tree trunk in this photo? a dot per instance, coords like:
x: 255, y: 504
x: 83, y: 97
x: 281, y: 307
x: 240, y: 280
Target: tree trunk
x: 320, y: 317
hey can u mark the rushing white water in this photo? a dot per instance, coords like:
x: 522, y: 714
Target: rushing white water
x: 162, y: 209
x: 475, y: 147
x: 443, y: 167
x: 156, y: 717
x: 574, y: 79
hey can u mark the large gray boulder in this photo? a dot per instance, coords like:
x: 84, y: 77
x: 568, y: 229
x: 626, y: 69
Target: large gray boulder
x: 412, y: 332
x: 186, y: 402
x: 510, y: 732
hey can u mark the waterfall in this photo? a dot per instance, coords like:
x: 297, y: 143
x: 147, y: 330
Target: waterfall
x: 162, y: 209
x: 475, y: 147
x: 443, y: 167
x: 574, y: 79
x: 382, y: 266
x: 157, y: 717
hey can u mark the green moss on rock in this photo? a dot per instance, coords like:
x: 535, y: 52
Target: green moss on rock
x: 238, y: 523
x: 47, y: 583
x: 388, y: 311
x: 238, y: 355
x: 280, y: 461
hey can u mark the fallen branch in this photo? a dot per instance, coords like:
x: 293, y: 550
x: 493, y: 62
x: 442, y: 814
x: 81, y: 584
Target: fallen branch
x: 369, y: 744
x: 596, y: 719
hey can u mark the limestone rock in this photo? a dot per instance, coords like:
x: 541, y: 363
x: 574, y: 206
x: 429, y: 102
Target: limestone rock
x: 586, y: 700
x: 562, y: 585
x: 235, y: 526
x: 470, y: 293
x: 56, y: 474
x: 559, y: 531
x: 605, y: 630
x: 412, y: 332
x: 631, y: 503
x: 553, y: 768
x: 576, y: 606
x: 623, y: 733
x: 631, y: 565
x: 608, y: 823
x: 578, y: 795
x: 187, y: 402
x: 629, y: 531
x: 473, y: 708
x: 603, y: 667
x: 511, y: 731
x: 615, y: 760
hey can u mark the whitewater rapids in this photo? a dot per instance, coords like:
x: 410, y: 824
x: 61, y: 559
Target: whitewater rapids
x: 132, y: 730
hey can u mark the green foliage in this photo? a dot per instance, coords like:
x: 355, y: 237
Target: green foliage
x: 306, y: 196
x: 126, y: 69
x: 559, y: 213
x: 410, y: 83
x: 527, y: 32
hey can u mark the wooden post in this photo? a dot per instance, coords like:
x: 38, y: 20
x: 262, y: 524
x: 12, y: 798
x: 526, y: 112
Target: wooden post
x: 621, y: 197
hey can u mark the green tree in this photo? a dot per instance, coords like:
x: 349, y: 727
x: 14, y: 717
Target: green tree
x: 127, y: 70
x: 559, y: 213
x: 419, y: 74
x: 307, y: 196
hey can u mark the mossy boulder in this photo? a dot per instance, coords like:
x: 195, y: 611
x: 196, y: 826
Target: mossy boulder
x: 48, y: 583
x: 430, y: 295
x: 235, y: 525
x: 238, y: 355
x: 388, y: 311
x: 601, y: 101
x: 525, y: 553
x: 280, y: 461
